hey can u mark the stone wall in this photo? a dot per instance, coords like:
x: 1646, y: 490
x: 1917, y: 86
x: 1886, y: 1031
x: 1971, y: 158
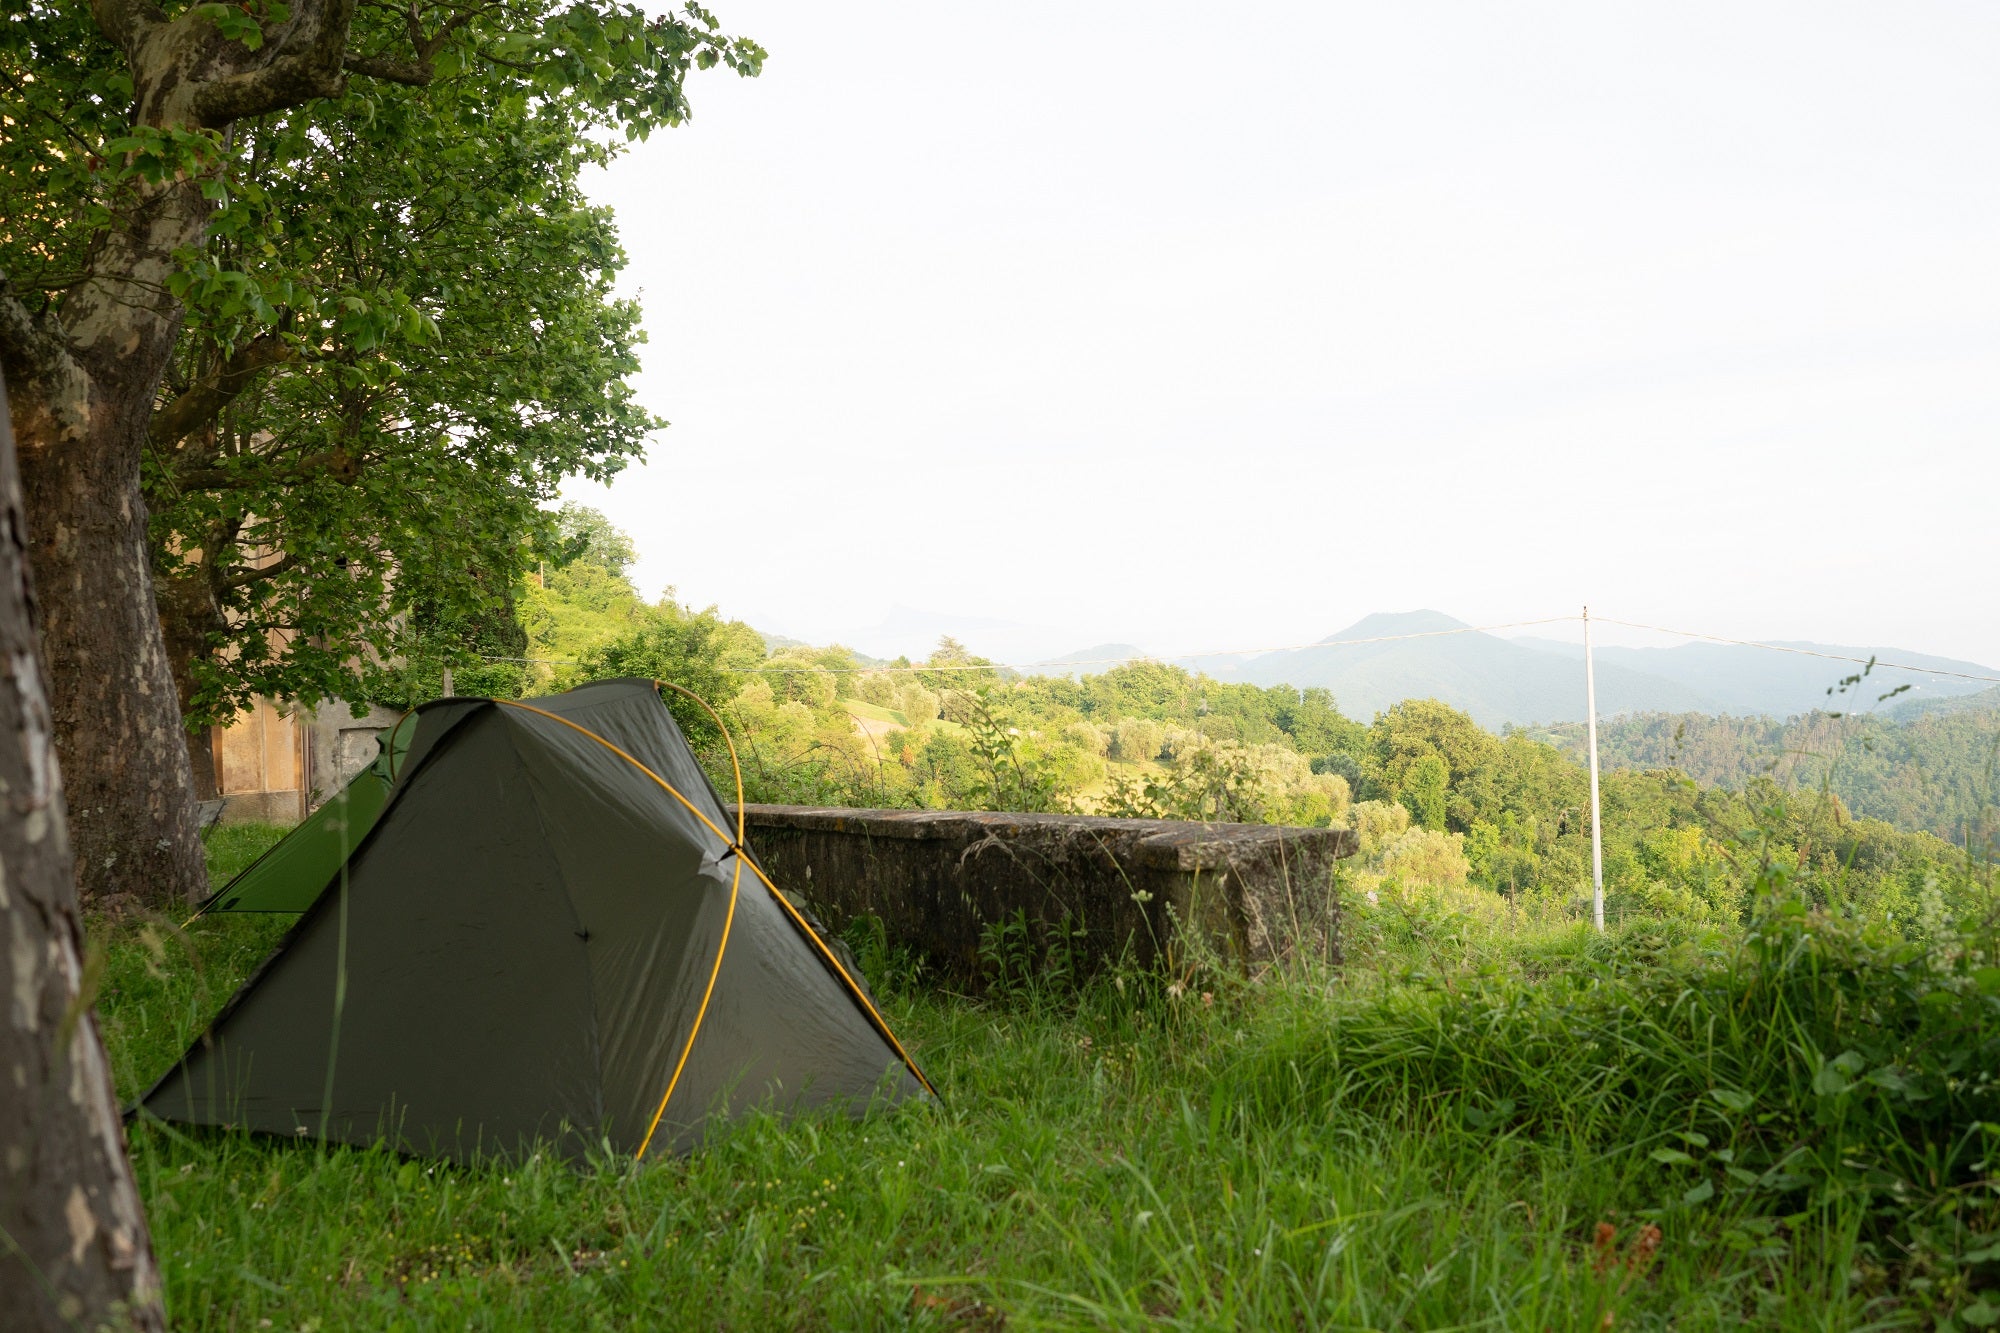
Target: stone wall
x: 1252, y: 894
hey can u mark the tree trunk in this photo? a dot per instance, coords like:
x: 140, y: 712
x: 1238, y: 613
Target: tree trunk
x: 76, y: 1252
x: 117, y: 713
x: 84, y: 374
x: 187, y: 616
x: 83, y: 379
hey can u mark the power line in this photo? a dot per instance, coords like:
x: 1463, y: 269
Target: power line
x: 1802, y: 652
x: 1148, y: 657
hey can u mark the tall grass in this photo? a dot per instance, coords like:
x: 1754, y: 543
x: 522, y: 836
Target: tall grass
x: 1790, y: 1126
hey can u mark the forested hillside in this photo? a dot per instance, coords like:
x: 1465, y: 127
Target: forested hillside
x: 1451, y: 817
x: 1933, y: 768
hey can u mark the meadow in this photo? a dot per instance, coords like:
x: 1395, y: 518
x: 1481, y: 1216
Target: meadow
x: 1793, y: 1122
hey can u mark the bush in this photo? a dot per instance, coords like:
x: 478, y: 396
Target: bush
x: 1137, y: 740
x: 1427, y: 856
x: 917, y: 704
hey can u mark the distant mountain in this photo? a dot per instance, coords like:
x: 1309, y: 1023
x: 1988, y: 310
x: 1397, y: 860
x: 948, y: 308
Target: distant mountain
x: 1756, y: 681
x: 1501, y: 682
x: 1496, y: 680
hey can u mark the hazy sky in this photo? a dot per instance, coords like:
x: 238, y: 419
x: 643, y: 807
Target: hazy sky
x: 1214, y: 326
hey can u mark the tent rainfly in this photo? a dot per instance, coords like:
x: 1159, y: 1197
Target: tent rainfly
x: 292, y: 875
x: 546, y: 936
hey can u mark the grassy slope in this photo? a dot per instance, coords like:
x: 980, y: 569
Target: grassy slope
x: 888, y: 717
x: 1372, y: 1154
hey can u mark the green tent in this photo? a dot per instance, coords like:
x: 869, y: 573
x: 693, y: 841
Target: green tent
x: 548, y: 936
x: 293, y: 874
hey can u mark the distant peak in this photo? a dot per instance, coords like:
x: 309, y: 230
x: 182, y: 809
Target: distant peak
x: 1100, y: 652
x: 1398, y: 622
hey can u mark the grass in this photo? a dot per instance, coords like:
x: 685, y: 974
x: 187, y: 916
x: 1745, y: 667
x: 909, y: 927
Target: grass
x: 874, y: 712
x: 1508, y: 1133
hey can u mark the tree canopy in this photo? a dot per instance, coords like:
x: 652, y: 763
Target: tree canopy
x: 313, y: 277
x: 430, y: 346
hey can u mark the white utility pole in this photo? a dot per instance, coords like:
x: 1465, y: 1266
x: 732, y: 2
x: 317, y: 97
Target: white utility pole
x: 1596, y: 812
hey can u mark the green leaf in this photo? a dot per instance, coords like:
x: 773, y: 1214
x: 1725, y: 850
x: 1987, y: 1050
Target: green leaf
x: 1700, y: 1194
x: 1836, y: 1076
x: 1671, y: 1157
x: 1733, y: 1100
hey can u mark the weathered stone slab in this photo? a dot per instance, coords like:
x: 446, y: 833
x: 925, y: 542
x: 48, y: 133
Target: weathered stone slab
x: 1254, y: 894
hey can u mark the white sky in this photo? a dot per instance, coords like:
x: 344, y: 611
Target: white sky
x: 1215, y: 326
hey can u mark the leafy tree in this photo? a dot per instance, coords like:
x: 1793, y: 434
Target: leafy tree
x: 876, y: 687
x: 584, y: 535
x: 1424, y: 791
x: 1419, y: 727
x: 961, y: 671
x: 144, y: 166
x: 1142, y: 689
x: 800, y: 674
x: 917, y: 704
x: 483, y: 647
x: 672, y: 644
x: 1430, y: 856
x: 571, y: 610
x: 1137, y: 740
x: 1315, y: 726
x: 434, y: 348
x: 1376, y: 824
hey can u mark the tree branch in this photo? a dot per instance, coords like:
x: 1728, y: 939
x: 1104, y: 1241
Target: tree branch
x: 27, y: 351
x: 304, y: 63
x: 33, y: 353
x: 202, y: 403
x: 338, y: 464
x: 126, y: 22
x: 245, y: 575
x: 411, y: 73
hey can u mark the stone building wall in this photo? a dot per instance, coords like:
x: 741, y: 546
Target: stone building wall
x: 275, y: 763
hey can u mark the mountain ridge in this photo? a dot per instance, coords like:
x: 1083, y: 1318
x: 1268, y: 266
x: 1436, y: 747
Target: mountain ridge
x: 1529, y: 681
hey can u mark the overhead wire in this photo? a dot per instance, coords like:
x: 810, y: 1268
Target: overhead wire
x: 1802, y: 652
x: 1300, y: 647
